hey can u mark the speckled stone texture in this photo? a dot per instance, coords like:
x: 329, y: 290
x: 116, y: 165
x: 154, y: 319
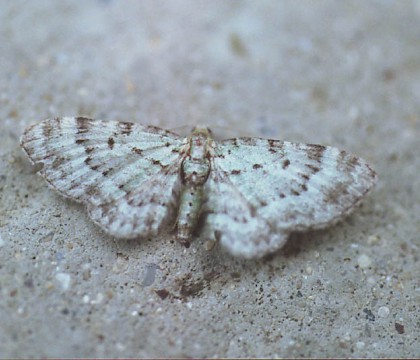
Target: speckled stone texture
x: 345, y: 74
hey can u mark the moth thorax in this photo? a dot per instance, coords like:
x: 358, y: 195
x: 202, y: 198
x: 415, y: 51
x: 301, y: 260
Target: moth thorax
x: 195, y: 171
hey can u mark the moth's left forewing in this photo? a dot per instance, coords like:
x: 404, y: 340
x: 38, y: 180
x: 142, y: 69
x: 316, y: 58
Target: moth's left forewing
x: 91, y: 160
x: 294, y: 186
x: 127, y: 174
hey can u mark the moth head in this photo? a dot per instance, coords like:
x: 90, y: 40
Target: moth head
x: 201, y: 130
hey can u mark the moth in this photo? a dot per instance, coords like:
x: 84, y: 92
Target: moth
x: 248, y: 193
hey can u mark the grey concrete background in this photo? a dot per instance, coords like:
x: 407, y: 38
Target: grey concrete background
x: 345, y: 74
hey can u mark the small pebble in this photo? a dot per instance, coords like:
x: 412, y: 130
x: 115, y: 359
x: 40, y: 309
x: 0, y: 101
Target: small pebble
x: 47, y: 238
x: 149, y: 274
x: 209, y: 245
x: 98, y: 300
x: 64, y: 280
x: 383, y: 312
x: 364, y: 261
x: 119, y: 346
x: 373, y: 239
x: 2, y: 242
x: 400, y: 328
x: 360, y: 345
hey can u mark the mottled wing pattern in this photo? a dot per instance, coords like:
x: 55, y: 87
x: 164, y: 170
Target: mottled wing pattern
x: 127, y: 174
x: 269, y: 188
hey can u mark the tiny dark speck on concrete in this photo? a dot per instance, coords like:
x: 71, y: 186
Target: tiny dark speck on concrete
x: 162, y: 293
x: 400, y: 328
x: 369, y: 315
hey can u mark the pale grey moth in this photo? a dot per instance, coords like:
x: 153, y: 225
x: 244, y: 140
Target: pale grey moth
x: 247, y: 193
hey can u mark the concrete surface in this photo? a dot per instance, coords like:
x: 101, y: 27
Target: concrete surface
x: 340, y: 73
